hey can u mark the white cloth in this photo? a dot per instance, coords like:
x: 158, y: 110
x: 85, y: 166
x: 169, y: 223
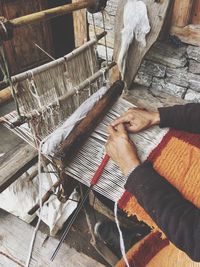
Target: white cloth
x: 136, y: 24
x: 61, y: 133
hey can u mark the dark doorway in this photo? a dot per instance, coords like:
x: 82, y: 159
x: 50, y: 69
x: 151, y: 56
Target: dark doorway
x: 62, y: 30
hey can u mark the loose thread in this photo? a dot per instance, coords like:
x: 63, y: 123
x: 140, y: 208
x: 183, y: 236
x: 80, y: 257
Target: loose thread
x: 122, y: 246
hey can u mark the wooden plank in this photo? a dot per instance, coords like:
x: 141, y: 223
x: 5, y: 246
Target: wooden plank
x: 196, y: 12
x: 189, y: 34
x: 157, y: 12
x: 151, y: 99
x: 80, y: 26
x: 15, y: 237
x: 21, y: 52
x: 182, y: 12
x: 15, y: 163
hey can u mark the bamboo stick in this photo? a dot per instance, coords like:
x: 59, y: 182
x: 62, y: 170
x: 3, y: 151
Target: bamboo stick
x: 28, y: 74
x: 69, y: 94
x: 51, y: 13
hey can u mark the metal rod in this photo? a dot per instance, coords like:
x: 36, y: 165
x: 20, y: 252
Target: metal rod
x: 51, y: 13
x: 93, y: 182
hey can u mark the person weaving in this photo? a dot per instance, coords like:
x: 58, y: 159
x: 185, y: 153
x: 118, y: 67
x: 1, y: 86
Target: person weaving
x: 177, y: 217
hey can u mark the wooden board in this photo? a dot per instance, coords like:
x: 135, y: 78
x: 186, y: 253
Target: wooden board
x: 189, y: 34
x: 21, y: 51
x: 15, y: 162
x: 182, y: 12
x: 157, y: 13
x: 151, y: 99
x: 15, y: 237
x: 80, y: 26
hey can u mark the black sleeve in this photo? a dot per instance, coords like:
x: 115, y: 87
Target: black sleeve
x: 178, y: 218
x: 181, y: 117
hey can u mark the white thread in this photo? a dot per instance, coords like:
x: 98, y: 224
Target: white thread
x: 4, y: 27
x: 40, y: 210
x: 122, y: 247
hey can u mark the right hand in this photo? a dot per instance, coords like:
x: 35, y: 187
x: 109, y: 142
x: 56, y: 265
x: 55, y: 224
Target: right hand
x: 136, y: 120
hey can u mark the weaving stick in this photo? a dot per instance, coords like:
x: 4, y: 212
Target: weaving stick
x: 82, y: 131
x: 93, y: 182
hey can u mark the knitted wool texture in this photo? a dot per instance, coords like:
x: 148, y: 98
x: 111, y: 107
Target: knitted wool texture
x: 177, y: 159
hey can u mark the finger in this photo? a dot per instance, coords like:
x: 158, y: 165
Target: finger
x: 132, y: 128
x: 111, y: 130
x: 123, y: 119
x: 121, y: 128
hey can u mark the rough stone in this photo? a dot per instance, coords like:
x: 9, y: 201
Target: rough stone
x: 143, y: 79
x: 194, y: 66
x: 177, y: 76
x: 102, y: 52
x: 152, y: 69
x: 161, y: 85
x: 168, y: 55
x: 192, y: 96
x: 193, y: 52
x: 194, y: 82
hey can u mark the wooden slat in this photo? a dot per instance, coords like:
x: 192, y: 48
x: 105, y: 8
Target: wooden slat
x: 182, y: 12
x: 157, y: 12
x: 189, y: 34
x: 15, y: 240
x: 80, y: 26
x: 14, y: 163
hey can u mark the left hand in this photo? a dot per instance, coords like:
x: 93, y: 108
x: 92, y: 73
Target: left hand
x: 121, y: 149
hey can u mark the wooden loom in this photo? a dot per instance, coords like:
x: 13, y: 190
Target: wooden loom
x: 84, y: 129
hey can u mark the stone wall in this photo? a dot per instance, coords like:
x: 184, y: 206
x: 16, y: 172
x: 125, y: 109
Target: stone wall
x: 175, y: 70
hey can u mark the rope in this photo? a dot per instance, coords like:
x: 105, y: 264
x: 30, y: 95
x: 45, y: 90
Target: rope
x: 94, y: 26
x: 105, y: 39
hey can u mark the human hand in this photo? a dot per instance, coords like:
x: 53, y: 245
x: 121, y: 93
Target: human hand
x: 121, y: 149
x: 136, y: 120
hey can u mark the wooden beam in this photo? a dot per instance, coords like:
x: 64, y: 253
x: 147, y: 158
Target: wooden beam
x: 189, y: 34
x: 80, y: 26
x: 5, y: 96
x: 15, y: 163
x: 81, y: 132
x: 15, y: 241
x: 182, y: 12
x: 51, y: 13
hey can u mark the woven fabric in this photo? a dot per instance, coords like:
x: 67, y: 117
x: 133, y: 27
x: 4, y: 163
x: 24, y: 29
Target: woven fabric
x: 177, y: 158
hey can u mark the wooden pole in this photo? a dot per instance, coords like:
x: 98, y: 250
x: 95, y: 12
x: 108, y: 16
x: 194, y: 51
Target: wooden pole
x: 81, y: 132
x: 5, y: 96
x: 182, y: 12
x: 51, y: 13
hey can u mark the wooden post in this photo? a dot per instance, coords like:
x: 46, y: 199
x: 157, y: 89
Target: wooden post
x: 196, y: 13
x: 80, y: 26
x: 182, y: 12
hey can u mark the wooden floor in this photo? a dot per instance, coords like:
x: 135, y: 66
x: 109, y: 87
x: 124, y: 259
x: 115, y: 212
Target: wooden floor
x: 15, y: 236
